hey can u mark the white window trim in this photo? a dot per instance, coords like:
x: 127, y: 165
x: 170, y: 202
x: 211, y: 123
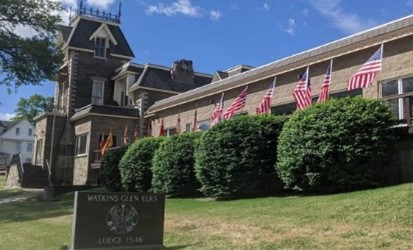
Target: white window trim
x: 105, y: 48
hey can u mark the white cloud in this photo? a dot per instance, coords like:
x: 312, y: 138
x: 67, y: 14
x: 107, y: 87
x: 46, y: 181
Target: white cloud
x: 181, y: 7
x: 6, y: 116
x: 99, y: 3
x: 215, y: 15
x: 347, y: 22
x: 290, y: 27
x: 266, y: 6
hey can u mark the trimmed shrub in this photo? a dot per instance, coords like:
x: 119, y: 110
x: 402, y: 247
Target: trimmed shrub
x: 109, y: 173
x: 135, y: 166
x: 173, y: 166
x: 237, y: 157
x: 343, y: 144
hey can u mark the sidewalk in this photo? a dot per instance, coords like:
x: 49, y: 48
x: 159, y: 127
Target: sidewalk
x: 29, y: 193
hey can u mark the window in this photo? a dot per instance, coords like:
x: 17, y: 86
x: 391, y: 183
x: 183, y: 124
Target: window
x: 29, y: 147
x: 100, y: 47
x: 394, y: 91
x: 18, y: 146
x: 188, y: 127
x: 97, y: 92
x: 170, y: 131
x: 28, y: 160
x: 39, y: 147
x: 203, y: 125
x: 17, y: 131
x: 81, y: 144
x: 30, y: 132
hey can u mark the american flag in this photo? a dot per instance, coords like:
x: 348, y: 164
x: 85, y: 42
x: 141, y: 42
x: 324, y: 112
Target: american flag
x: 265, y: 105
x: 136, y: 133
x: 302, y: 92
x: 194, y: 122
x: 125, y: 136
x: 326, y: 84
x: 238, y: 104
x: 161, y: 129
x: 364, y: 77
x: 178, y: 125
x: 217, y: 114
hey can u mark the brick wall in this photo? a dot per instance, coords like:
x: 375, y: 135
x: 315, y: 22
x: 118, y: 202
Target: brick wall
x: 396, y: 62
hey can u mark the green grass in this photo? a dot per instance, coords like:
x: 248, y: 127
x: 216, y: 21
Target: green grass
x: 6, y: 192
x: 371, y: 219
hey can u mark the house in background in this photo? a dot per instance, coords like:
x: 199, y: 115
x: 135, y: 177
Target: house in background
x: 16, y: 137
x: 99, y: 89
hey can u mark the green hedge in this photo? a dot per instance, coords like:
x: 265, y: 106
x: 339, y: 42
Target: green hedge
x: 343, y: 144
x: 173, y: 166
x: 109, y: 173
x: 135, y: 166
x: 237, y: 157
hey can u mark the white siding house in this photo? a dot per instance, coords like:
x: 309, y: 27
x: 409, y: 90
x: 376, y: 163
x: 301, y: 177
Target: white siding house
x: 16, y: 138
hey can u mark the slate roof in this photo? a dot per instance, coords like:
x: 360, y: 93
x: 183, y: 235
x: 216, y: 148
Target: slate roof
x: 104, y: 110
x: 159, y: 77
x: 85, y: 28
x: 344, y: 45
x: 7, y: 124
x: 65, y: 30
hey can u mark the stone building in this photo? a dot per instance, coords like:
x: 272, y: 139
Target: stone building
x: 99, y: 89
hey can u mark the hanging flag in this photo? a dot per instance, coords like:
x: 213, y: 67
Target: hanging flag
x: 365, y: 75
x: 149, y: 129
x: 194, y: 122
x: 136, y: 133
x: 325, y: 87
x: 161, y: 129
x: 178, y: 125
x: 302, y: 92
x: 217, y: 114
x: 265, y: 105
x: 238, y: 104
x: 125, y: 136
x: 108, y: 143
x: 102, y: 143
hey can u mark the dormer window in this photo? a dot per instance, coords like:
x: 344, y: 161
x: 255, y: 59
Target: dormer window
x: 100, y: 47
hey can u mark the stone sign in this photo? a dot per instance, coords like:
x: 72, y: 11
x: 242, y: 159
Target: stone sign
x: 118, y: 221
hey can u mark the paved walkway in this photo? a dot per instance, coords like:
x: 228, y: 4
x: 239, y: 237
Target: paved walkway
x: 29, y: 193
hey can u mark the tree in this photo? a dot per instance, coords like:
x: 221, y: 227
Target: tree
x: 23, y: 60
x: 30, y: 108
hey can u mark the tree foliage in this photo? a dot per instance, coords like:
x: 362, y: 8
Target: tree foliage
x: 109, y: 174
x: 28, y: 60
x: 343, y: 144
x: 135, y: 166
x: 30, y: 108
x: 237, y: 157
x: 173, y: 166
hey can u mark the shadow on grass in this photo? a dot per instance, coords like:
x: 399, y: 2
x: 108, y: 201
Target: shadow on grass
x: 178, y: 247
x: 34, y: 210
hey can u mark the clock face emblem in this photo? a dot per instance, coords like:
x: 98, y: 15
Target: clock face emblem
x: 122, y: 219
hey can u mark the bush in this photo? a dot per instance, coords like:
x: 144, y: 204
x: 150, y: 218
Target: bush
x: 173, y: 166
x: 135, y: 166
x: 339, y: 145
x: 109, y: 173
x: 237, y: 157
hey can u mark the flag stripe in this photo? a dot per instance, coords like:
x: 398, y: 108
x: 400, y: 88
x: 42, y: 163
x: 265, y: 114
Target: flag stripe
x: 324, y: 93
x: 365, y: 75
x: 238, y: 104
x: 302, y: 92
x: 217, y: 114
x: 265, y: 105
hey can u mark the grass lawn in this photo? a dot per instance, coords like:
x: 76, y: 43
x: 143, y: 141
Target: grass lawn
x: 5, y: 192
x: 371, y: 219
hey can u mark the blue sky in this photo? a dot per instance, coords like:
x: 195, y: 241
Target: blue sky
x: 220, y: 34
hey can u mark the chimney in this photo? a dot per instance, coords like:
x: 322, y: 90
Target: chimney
x: 183, y: 72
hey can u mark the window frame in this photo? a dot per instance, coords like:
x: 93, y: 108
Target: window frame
x: 400, y: 96
x: 29, y: 147
x: 99, y: 47
x: 17, y: 131
x: 99, y: 99
x: 80, y: 149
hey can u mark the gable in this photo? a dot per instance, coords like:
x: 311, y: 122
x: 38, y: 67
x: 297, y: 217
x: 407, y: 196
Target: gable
x: 104, y: 31
x: 23, y: 125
